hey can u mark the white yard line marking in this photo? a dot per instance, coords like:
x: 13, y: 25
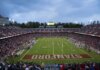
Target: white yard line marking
x: 62, y: 45
x: 53, y: 47
x: 25, y: 54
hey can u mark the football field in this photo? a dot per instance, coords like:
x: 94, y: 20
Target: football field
x: 57, y: 50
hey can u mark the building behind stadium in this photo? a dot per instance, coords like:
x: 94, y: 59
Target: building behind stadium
x: 4, y: 20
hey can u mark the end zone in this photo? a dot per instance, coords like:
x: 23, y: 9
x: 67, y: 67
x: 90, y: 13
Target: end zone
x: 56, y: 56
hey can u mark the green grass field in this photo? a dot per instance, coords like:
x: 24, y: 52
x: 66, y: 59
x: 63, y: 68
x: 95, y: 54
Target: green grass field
x: 54, y: 46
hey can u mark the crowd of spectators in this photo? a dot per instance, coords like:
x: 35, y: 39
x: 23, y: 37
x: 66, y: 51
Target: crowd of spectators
x: 86, y: 41
x: 9, y: 46
x: 9, y: 31
x: 56, y: 29
x: 93, y: 29
x: 87, y: 37
x: 33, y: 66
x: 6, y: 31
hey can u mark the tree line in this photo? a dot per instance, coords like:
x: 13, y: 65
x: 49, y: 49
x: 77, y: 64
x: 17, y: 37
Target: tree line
x: 44, y: 25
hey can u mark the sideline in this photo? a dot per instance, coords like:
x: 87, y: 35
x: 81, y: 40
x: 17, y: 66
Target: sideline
x: 27, y: 50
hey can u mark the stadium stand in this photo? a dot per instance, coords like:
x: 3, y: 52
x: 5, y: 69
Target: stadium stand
x: 13, y: 39
x: 9, y: 46
x: 12, y: 31
x: 33, y: 66
x: 91, y: 29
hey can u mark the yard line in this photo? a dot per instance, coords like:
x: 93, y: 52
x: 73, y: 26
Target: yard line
x: 53, y: 47
x: 25, y: 54
x: 62, y: 44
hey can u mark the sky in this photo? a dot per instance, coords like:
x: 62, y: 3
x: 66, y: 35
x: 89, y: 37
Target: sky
x: 51, y: 10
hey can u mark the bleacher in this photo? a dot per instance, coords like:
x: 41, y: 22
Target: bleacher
x: 12, y: 39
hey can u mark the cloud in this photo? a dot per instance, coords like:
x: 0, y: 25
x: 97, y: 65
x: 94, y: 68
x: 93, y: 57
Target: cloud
x: 93, y: 17
x: 50, y: 10
x: 34, y: 15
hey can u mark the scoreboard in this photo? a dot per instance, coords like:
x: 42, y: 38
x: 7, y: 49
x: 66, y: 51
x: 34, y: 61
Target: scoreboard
x: 50, y: 23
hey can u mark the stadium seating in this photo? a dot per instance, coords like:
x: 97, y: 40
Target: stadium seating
x: 91, y: 29
x: 13, y: 39
x: 9, y: 46
x: 33, y: 66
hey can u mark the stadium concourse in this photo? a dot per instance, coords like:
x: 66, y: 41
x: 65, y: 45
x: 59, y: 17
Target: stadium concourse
x: 14, y: 39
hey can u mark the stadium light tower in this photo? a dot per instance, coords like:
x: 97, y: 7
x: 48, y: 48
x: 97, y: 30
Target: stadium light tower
x: 12, y: 20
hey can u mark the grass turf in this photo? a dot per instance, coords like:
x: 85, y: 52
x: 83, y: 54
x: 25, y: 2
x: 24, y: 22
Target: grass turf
x: 56, y: 45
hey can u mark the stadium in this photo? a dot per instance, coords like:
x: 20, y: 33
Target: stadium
x: 45, y: 46
x: 49, y: 35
